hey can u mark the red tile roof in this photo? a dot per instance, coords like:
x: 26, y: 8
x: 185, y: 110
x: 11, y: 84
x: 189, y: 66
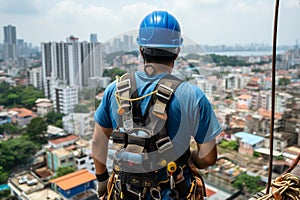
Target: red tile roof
x: 74, y: 179
x: 23, y: 112
x: 64, y: 139
x: 245, y: 96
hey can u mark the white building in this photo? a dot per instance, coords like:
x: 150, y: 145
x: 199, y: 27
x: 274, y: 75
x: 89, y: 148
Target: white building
x: 35, y: 77
x: 233, y: 81
x: 83, y: 156
x: 64, y: 98
x: 70, y: 63
x: 44, y: 106
x: 63, y: 141
x: 77, y: 123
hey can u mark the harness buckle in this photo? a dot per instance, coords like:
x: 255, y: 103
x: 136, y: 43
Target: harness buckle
x: 164, y: 144
x: 123, y: 85
x: 164, y: 92
x: 135, y: 192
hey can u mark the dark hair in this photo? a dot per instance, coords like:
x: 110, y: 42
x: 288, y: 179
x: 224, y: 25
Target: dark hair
x: 156, y: 55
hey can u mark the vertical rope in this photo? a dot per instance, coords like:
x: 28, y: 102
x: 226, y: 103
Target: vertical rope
x: 273, y: 96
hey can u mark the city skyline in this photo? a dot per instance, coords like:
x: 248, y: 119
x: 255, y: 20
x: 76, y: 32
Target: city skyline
x: 211, y: 22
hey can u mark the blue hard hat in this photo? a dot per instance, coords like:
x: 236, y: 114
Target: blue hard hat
x: 159, y: 29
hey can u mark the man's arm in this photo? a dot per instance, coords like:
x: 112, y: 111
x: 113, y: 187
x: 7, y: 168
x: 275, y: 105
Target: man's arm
x: 100, y: 147
x: 205, y: 155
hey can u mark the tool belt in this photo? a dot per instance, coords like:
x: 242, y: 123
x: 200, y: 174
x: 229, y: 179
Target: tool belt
x: 130, y: 186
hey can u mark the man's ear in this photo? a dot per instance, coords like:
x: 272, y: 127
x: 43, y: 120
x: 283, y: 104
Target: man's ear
x: 142, y: 52
x: 177, y: 53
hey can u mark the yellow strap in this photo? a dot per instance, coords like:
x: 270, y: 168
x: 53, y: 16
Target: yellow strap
x: 191, y: 190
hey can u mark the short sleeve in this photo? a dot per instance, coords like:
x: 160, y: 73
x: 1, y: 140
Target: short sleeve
x: 208, y: 125
x: 102, y: 114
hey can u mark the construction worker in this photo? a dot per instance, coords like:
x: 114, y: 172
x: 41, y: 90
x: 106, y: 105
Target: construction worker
x: 151, y: 117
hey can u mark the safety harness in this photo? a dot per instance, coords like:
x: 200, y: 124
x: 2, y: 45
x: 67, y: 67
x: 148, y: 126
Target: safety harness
x: 142, y: 146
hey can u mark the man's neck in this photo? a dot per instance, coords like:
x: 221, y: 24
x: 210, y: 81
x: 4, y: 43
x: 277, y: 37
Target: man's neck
x: 157, y: 68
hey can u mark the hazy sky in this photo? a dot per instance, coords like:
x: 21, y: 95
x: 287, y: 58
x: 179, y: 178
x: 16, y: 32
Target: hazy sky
x: 204, y: 21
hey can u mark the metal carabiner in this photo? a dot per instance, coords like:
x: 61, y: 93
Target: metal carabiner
x: 155, y: 193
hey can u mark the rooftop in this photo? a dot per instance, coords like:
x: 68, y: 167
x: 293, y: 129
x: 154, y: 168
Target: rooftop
x: 44, y: 104
x: 23, y: 112
x: 64, y: 139
x: 74, y: 179
x: 41, y: 100
x: 245, y: 96
x: 249, y: 138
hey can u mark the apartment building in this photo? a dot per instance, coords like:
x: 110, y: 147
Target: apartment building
x: 64, y: 98
x: 36, y: 77
x: 78, y: 123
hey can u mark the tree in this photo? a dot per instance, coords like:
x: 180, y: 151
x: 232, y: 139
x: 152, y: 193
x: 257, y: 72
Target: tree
x: 112, y: 73
x: 36, y: 130
x: 231, y: 145
x: 13, y: 99
x: 9, y: 129
x: 248, y: 183
x: 284, y: 81
x: 3, y: 175
x: 61, y: 171
x: 53, y: 117
x: 15, y: 152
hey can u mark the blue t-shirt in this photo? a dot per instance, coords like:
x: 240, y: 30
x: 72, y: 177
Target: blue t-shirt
x: 189, y: 111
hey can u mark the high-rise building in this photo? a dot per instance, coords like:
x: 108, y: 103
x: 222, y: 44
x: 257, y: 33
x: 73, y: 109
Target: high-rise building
x: 35, y: 77
x: 64, y: 98
x: 93, y: 38
x: 10, y: 43
x: 70, y: 63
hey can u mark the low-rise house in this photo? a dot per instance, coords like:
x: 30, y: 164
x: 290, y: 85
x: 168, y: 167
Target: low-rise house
x: 73, y: 185
x: 24, y: 184
x: 63, y: 141
x: 53, y: 131
x: 248, y: 142
x: 59, y: 158
x: 44, y: 106
x: 5, y: 118
x: 22, y: 116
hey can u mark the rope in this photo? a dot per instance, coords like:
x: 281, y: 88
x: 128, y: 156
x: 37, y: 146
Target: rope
x: 135, y: 99
x: 285, y: 187
x: 118, y: 97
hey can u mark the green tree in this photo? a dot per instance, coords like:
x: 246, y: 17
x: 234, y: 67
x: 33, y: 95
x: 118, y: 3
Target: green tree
x: 9, y: 129
x: 4, y: 194
x: 231, y: 145
x: 284, y: 81
x: 61, y: 171
x: 53, y: 117
x: 59, y: 123
x: 15, y: 152
x: 112, y: 73
x: 29, y: 95
x: 3, y: 175
x: 248, y: 183
x: 36, y: 130
x: 13, y: 99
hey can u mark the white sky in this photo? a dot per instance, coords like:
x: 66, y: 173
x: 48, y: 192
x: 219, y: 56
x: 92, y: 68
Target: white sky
x: 204, y: 21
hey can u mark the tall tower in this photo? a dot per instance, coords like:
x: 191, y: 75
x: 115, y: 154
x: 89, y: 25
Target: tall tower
x: 9, y: 43
x: 93, y: 38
